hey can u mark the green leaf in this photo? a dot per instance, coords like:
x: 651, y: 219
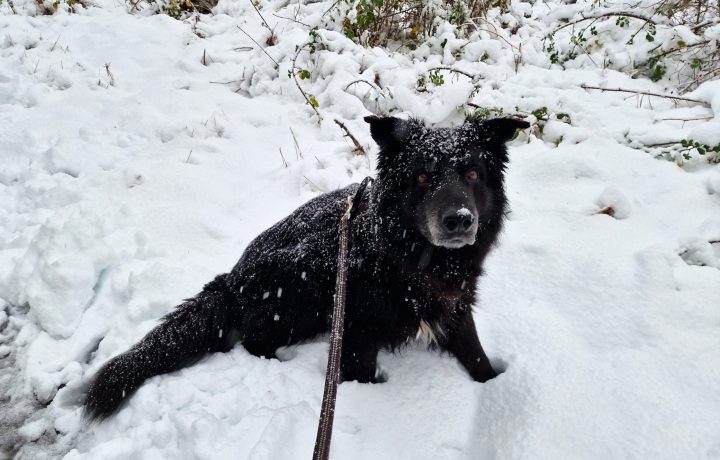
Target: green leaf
x: 565, y: 117
x: 542, y: 112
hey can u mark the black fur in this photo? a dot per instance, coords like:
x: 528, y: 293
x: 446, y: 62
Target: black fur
x: 281, y: 290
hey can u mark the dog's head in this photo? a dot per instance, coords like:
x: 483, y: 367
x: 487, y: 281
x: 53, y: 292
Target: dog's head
x: 450, y: 180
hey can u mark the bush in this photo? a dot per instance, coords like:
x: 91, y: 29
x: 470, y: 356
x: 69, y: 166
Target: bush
x: 174, y: 8
x: 381, y: 22
x: 669, y: 36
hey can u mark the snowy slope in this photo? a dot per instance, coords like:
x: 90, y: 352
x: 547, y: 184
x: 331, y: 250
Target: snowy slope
x: 140, y: 154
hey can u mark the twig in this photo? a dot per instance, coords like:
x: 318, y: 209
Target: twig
x: 261, y: 16
x: 187, y: 160
x: 685, y: 119
x: 662, y: 144
x: 637, y: 32
x: 495, y: 32
x: 709, y: 75
x: 389, y: 15
x: 673, y: 50
x: 450, y: 69
x: 320, y: 189
x: 135, y: 5
x: 335, y: 3
x: 259, y: 46
x: 372, y: 85
x: 298, y: 151
x: 270, y: 41
x: 695, y: 28
x: 358, y: 149
x: 291, y: 19
x: 297, y: 83
x: 666, y: 96
x: 522, y: 115
x: 605, y: 15
x: 55, y: 44
x: 112, y: 77
x: 285, y: 163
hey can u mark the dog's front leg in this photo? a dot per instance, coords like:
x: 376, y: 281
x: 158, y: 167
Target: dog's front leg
x: 464, y: 343
x: 359, y: 358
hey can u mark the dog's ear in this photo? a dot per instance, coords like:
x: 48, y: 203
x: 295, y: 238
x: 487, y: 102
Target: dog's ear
x: 389, y: 133
x: 501, y: 130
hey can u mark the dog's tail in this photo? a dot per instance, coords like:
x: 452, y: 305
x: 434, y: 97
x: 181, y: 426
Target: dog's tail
x: 202, y: 324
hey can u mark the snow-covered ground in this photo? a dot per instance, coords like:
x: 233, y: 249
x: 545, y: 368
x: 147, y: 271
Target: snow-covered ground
x: 140, y: 154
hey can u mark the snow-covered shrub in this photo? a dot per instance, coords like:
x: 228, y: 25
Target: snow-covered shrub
x: 53, y: 6
x: 670, y: 40
x: 689, y: 149
x: 381, y: 22
x: 175, y: 8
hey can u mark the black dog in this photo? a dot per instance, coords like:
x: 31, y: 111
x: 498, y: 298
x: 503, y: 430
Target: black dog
x: 417, y: 248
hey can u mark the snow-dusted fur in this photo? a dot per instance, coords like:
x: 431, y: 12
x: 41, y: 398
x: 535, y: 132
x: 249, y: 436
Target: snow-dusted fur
x: 410, y: 275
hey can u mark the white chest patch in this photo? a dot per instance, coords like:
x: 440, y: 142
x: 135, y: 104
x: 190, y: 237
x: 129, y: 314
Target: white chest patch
x: 425, y: 333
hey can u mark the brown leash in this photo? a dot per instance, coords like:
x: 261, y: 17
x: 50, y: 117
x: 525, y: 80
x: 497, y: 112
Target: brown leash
x: 327, y: 412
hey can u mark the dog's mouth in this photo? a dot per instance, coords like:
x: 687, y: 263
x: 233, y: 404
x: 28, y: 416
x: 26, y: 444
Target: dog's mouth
x: 456, y: 242
x: 438, y: 233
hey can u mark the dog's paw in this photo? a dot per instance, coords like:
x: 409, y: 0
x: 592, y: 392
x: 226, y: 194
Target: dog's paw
x: 490, y: 371
x: 380, y: 376
x: 486, y: 376
x: 499, y: 365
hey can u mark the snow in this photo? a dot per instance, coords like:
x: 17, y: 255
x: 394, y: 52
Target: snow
x: 132, y: 173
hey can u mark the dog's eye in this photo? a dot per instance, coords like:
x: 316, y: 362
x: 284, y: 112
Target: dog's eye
x: 471, y: 175
x: 423, y: 178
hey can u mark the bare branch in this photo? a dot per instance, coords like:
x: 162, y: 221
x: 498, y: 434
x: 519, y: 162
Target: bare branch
x: 358, y: 149
x: 605, y: 15
x: 673, y: 50
x: 666, y: 96
x: 450, y: 69
x: 685, y: 119
x: 261, y: 16
x: 291, y: 19
x: 259, y: 46
x: 372, y: 85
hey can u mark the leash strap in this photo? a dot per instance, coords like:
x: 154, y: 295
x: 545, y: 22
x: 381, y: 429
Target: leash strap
x: 327, y: 412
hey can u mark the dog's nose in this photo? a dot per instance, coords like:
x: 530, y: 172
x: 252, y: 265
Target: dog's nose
x: 458, y: 221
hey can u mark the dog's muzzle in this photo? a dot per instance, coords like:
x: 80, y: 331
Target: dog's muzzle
x: 455, y: 229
